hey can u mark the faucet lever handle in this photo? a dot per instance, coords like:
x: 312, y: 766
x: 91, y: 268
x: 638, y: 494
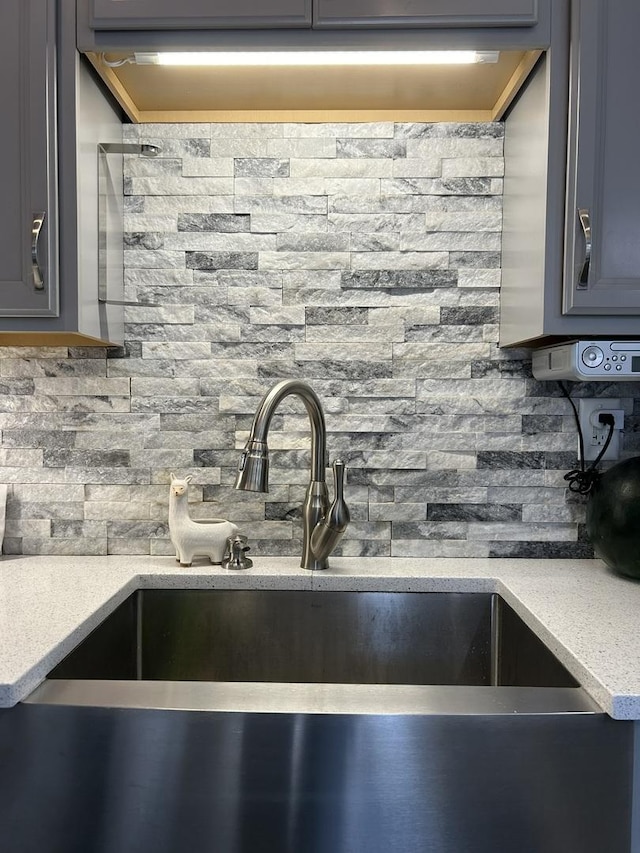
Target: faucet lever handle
x: 330, y: 529
x: 339, y: 469
x: 338, y: 515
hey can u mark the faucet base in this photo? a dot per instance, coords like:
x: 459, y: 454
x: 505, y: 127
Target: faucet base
x: 315, y: 565
x: 314, y: 508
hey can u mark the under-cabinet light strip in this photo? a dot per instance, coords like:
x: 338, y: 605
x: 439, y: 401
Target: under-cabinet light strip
x: 329, y: 57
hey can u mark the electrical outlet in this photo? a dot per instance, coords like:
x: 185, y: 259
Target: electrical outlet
x: 595, y: 434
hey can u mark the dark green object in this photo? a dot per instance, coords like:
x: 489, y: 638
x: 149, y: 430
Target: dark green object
x: 613, y: 517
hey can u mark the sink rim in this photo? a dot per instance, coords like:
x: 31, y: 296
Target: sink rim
x: 314, y: 698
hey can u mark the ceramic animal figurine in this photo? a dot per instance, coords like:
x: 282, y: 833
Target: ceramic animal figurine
x: 195, y: 538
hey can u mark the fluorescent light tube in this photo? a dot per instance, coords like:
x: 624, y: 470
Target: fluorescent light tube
x: 319, y: 57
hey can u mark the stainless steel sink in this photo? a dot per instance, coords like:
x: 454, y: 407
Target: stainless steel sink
x: 313, y: 722
x: 343, y: 651
x: 321, y: 637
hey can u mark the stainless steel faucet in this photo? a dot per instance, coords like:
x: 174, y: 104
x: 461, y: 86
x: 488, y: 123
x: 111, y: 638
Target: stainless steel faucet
x: 323, y: 524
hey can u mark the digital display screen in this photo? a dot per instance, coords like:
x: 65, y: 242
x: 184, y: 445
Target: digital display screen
x: 635, y: 363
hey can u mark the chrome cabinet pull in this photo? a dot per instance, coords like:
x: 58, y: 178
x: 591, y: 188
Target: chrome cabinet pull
x: 585, y: 221
x: 36, y: 228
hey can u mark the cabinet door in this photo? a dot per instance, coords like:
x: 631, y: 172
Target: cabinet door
x: 427, y: 13
x: 194, y: 14
x: 602, y: 264
x: 28, y: 214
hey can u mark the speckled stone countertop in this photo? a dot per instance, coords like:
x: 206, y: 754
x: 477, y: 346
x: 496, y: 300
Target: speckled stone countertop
x: 588, y: 616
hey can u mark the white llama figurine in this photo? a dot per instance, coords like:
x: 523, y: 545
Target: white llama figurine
x: 193, y: 538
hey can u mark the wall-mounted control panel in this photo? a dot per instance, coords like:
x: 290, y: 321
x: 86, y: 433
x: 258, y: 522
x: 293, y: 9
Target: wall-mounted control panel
x: 589, y: 361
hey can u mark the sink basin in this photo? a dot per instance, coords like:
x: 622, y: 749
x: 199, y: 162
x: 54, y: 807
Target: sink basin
x: 324, y: 722
x: 462, y: 639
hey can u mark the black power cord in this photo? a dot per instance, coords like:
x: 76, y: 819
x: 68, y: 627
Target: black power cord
x: 582, y: 480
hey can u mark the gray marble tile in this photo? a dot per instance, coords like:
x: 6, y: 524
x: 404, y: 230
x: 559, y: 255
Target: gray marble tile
x: 310, y: 242
x: 421, y: 333
x: 206, y: 167
x: 280, y: 222
x: 377, y: 242
x: 246, y: 130
x: 469, y: 167
x: 140, y: 167
x: 56, y: 511
x: 449, y: 130
x: 161, y: 130
x: 341, y: 168
x: 264, y: 167
x: 426, y: 167
x: 399, y: 260
x: 401, y: 279
x: 272, y: 333
x: 481, y: 241
x: 313, y: 352
x: 437, y: 186
x: 325, y: 370
x: 300, y: 147
x: 459, y: 221
x: 471, y: 315
x: 142, y: 258
x: 476, y: 260
x: 182, y: 186
x: 292, y: 316
x: 333, y: 316
x: 542, y: 550
x: 343, y: 130
x: 161, y: 205
x: 369, y: 223
x: 281, y: 204
x: 79, y: 546
x: 134, y: 204
x: 474, y: 512
x: 356, y: 334
x: 167, y: 278
x: 28, y: 368
x: 429, y: 530
x: 458, y: 549
x: 38, y: 438
x: 143, y: 240
x: 369, y: 148
x: 254, y: 186
x: 304, y: 260
x: 454, y: 147
x: 222, y: 260
x: 218, y: 222
x: 208, y: 241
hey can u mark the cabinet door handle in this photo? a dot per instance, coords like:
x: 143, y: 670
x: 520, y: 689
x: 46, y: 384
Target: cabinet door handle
x: 36, y: 228
x: 585, y: 221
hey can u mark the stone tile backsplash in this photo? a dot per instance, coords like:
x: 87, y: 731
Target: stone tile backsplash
x: 362, y: 257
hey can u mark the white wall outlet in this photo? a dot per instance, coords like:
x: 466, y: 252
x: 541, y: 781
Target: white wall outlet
x: 594, y: 433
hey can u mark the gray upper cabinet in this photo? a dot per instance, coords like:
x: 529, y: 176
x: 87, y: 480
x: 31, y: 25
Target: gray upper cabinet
x: 239, y: 14
x: 152, y: 25
x: 195, y: 14
x: 602, y: 265
x: 28, y: 217
x: 425, y: 13
x: 571, y: 210
x: 55, y: 116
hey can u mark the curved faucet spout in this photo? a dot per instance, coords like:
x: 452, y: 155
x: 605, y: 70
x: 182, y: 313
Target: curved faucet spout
x: 270, y: 403
x: 253, y: 470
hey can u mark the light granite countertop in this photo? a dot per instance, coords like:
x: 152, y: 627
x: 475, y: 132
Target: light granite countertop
x: 588, y: 616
